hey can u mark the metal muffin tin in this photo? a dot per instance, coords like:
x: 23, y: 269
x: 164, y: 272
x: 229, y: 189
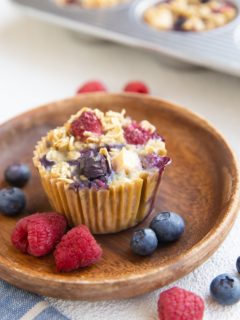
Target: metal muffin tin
x: 217, y: 49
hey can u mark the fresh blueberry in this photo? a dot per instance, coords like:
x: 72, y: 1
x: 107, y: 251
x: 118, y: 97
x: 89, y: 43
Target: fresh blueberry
x: 144, y: 242
x: 168, y: 226
x: 17, y: 175
x: 225, y: 289
x: 238, y: 264
x: 12, y: 201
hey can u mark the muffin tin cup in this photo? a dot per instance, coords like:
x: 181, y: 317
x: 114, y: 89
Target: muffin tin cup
x: 103, y: 211
x: 216, y: 49
x: 139, y: 8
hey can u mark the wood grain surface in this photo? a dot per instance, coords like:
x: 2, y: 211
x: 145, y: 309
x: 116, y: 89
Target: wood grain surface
x: 202, y: 184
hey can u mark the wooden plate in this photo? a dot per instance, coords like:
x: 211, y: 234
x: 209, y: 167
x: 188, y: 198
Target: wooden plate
x: 202, y: 184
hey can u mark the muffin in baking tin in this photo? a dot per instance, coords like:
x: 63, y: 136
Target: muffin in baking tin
x: 102, y: 169
x: 190, y: 15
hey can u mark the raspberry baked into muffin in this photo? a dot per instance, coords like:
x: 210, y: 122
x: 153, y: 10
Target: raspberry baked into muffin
x: 102, y: 169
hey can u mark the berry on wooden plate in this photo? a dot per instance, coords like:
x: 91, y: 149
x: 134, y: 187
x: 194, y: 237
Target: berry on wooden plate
x: 144, y: 242
x: 12, y: 201
x: 137, y: 87
x: 168, y: 226
x: 17, y: 175
x: 39, y: 233
x: 225, y: 289
x: 92, y: 86
x: 78, y: 248
x: 180, y: 304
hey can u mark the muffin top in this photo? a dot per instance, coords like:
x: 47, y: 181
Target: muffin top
x: 96, y: 150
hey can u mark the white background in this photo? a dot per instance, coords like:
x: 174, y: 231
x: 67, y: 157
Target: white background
x: 40, y: 62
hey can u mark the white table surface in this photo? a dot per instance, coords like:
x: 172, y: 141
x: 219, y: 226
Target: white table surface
x: 40, y: 62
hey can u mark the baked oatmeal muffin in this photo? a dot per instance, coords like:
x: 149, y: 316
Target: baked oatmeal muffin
x: 91, y: 3
x: 102, y: 169
x: 190, y: 15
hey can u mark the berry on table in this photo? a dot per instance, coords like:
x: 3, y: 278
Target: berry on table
x: 92, y: 86
x: 238, y: 264
x: 168, y: 226
x: 88, y: 121
x: 137, y: 87
x: 180, y: 304
x: 225, y: 289
x: 17, y: 175
x: 77, y: 249
x: 12, y: 201
x: 39, y: 233
x: 135, y: 134
x: 144, y: 242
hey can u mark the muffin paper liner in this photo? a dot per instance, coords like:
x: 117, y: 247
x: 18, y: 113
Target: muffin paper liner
x: 106, y: 210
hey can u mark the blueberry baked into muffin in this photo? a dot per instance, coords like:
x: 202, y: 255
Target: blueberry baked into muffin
x: 190, y: 15
x: 102, y: 169
x: 91, y: 3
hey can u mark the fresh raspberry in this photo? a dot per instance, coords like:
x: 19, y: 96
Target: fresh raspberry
x: 77, y: 249
x: 180, y: 304
x: 135, y: 134
x: 91, y: 86
x: 87, y: 121
x: 136, y: 86
x: 39, y: 233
